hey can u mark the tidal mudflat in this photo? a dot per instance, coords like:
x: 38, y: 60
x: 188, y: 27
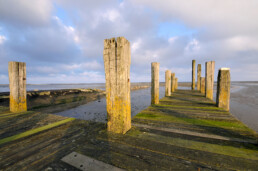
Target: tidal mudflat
x: 244, y: 103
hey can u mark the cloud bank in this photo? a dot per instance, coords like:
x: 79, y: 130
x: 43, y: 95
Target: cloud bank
x: 62, y: 40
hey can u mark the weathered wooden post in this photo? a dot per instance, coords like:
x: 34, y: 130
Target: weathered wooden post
x: 176, y: 83
x: 173, y: 82
x: 117, y: 60
x: 17, y: 84
x: 193, y: 74
x: 209, y: 79
x: 223, y: 88
x: 199, y: 72
x: 168, y: 83
x: 154, y: 83
x: 203, y: 85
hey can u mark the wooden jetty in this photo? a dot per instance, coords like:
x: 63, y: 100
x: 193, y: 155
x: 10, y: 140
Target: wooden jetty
x: 185, y: 131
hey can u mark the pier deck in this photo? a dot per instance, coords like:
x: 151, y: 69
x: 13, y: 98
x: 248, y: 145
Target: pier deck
x: 186, y: 131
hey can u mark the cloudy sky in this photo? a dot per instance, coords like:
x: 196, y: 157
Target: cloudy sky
x: 62, y: 40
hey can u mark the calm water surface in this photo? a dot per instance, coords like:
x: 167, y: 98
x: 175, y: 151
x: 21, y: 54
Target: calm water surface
x: 96, y: 110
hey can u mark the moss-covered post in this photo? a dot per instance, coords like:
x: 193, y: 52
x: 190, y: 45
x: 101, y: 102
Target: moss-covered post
x: 199, y: 72
x: 193, y: 74
x: 173, y: 82
x: 117, y: 60
x: 154, y: 83
x: 223, y: 88
x: 209, y: 79
x: 203, y: 85
x: 168, y: 83
x: 17, y: 84
x: 176, y: 83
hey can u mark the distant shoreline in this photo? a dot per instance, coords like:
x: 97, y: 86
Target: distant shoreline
x: 57, y: 86
x: 131, y: 83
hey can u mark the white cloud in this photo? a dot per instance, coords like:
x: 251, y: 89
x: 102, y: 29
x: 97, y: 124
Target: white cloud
x: 111, y: 15
x: 177, y: 70
x: 2, y: 39
x: 245, y: 72
x: 136, y: 45
x: 85, y: 77
x: 224, y: 31
x: 26, y: 12
x: 193, y: 45
x: 94, y: 65
x: 242, y: 43
x: 71, y: 31
x: 172, y: 39
x: 53, y: 43
x: 42, y: 69
x: 230, y: 16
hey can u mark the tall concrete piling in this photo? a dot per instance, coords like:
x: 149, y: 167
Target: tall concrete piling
x: 168, y: 83
x: 176, y: 84
x: 193, y: 74
x: 17, y: 84
x: 173, y: 82
x: 223, y: 88
x: 209, y: 79
x: 154, y: 83
x: 117, y: 60
x: 203, y: 85
x: 199, y: 72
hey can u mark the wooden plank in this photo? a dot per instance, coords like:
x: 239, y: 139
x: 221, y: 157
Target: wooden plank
x: 34, y: 131
x: 186, y: 131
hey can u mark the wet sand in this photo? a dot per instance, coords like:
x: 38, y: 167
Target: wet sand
x: 244, y: 104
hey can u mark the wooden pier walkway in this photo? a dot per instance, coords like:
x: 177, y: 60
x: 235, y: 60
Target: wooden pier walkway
x: 185, y: 131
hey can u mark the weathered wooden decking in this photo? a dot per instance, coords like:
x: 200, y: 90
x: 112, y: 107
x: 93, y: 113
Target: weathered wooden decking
x: 184, y: 132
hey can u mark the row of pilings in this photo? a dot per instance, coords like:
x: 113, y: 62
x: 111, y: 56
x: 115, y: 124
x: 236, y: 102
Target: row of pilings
x: 117, y: 60
x: 206, y: 84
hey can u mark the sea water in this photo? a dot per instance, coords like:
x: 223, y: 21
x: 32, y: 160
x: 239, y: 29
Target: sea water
x: 96, y: 110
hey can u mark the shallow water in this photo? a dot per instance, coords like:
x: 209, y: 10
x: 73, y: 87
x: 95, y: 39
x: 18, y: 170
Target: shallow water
x: 96, y: 110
